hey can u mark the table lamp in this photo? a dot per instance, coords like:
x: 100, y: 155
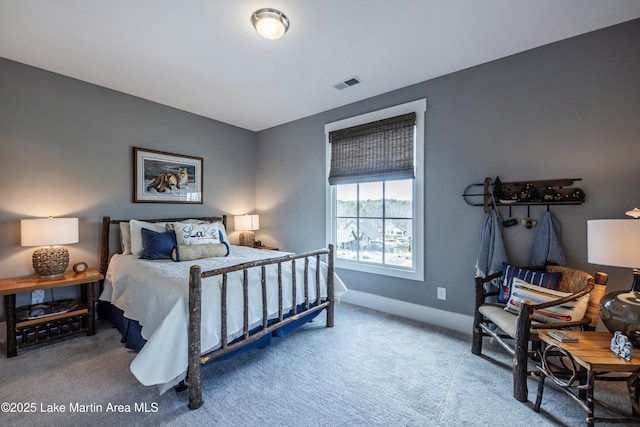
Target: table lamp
x: 50, y: 261
x: 247, y: 224
x: 615, y: 242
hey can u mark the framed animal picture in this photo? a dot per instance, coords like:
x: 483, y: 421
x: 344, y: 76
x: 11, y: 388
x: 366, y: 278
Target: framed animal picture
x: 161, y: 177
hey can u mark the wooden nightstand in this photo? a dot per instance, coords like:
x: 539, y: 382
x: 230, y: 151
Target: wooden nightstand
x: 43, y: 329
x: 592, y: 354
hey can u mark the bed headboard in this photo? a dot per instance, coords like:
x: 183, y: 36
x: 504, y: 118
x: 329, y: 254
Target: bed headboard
x: 107, y: 223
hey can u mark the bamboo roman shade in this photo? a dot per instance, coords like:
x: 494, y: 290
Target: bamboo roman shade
x: 376, y: 151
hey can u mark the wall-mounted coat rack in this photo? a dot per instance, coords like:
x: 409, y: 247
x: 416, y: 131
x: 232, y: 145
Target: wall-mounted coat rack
x: 527, y: 193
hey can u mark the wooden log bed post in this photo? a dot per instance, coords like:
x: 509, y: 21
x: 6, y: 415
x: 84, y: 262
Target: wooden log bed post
x: 330, y: 288
x: 195, y: 315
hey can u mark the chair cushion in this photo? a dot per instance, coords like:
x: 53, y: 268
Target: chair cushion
x: 549, y: 280
x: 505, y: 320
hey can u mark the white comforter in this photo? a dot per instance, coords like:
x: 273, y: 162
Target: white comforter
x: 156, y: 294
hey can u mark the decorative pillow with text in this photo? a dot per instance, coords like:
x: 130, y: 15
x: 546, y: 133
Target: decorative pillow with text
x: 195, y: 234
x: 568, y: 312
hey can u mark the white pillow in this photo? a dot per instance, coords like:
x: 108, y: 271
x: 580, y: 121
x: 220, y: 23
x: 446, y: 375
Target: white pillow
x: 125, y: 237
x: 223, y: 232
x: 195, y: 234
x: 136, y: 233
x: 568, y: 312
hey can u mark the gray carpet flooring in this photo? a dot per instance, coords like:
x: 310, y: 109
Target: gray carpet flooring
x: 371, y: 369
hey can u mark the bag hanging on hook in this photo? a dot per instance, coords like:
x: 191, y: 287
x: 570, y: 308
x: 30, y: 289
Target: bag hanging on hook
x: 528, y: 222
x: 509, y: 222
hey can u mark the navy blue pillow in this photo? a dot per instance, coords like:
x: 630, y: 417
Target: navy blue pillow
x: 539, y: 278
x: 158, y: 245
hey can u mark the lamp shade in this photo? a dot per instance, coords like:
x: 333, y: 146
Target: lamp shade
x: 614, y: 242
x: 246, y: 222
x: 48, y: 231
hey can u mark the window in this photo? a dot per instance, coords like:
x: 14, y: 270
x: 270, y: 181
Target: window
x: 375, y: 191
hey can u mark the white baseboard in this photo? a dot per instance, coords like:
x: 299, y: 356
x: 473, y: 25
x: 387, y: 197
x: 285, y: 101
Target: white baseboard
x: 421, y: 313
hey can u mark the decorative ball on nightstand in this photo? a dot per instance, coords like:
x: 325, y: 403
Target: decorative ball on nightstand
x: 247, y: 238
x: 51, y: 261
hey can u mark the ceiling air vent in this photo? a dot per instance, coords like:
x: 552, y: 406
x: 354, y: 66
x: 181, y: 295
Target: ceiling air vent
x: 347, y: 83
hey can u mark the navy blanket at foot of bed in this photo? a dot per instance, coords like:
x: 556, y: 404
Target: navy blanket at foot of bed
x: 132, y: 336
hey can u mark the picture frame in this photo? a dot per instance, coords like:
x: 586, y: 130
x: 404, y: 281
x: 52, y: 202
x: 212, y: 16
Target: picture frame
x: 161, y: 177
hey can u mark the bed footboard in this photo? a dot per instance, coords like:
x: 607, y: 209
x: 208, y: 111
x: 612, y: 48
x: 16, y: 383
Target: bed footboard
x: 196, y: 358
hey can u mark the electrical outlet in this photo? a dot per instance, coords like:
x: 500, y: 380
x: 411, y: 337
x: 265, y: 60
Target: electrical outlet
x: 37, y: 297
x: 442, y: 293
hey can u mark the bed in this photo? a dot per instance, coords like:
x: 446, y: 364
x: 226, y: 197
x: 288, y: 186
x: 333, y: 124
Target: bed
x: 195, y: 311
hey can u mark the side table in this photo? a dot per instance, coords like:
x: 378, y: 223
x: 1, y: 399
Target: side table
x: 81, y: 318
x: 591, y: 354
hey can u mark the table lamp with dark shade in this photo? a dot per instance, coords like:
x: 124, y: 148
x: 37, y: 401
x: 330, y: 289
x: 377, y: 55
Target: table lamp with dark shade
x: 616, y: 243
x: 51, y: 260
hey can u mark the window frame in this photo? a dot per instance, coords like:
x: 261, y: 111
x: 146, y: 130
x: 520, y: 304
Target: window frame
x: 418, y: 244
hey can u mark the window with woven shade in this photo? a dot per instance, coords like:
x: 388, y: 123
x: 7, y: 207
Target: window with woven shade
x: 377, y: 151
x: 374, y: 196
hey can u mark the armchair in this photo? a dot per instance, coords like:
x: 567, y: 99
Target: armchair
x: 517, y: 332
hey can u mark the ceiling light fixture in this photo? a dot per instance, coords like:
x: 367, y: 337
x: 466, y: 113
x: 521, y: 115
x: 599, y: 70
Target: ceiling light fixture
x: 270, y: 23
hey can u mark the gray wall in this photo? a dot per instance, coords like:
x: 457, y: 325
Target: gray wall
x: 566, y: 110
x: 66, y: 150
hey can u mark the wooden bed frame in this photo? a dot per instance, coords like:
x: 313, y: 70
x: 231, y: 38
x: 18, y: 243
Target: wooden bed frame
x: 196, y: 358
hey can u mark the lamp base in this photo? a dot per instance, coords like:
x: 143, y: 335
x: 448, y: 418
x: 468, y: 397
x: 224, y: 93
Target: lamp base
x: 247, y: 238
x: 620, y: 311
x: 50, y: 262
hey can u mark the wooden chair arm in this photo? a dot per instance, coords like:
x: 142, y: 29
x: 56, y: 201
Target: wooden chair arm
x: 480, y: 291
x: 480, y: 281
x: 566, y: 299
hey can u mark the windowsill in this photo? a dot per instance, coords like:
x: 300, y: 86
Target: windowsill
x: 402, y: 273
